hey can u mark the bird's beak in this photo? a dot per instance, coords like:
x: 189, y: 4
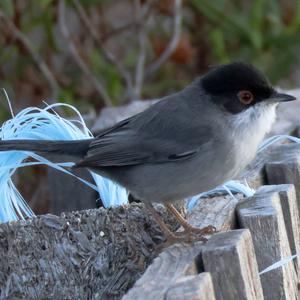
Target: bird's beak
x: 280, y: 97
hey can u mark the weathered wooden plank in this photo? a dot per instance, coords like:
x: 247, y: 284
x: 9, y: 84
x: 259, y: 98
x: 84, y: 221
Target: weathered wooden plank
x: 284, y: 166
x: 179, y: 260
x: 218, y: 211
x: 230, y: 258
x: 262, y: 214
x: 171, y: 265
x: 290, y: 212
x: 274, y: 165
x: 193, y: 287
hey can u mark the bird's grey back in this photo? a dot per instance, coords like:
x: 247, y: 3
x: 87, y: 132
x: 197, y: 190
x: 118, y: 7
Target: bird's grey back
x: 174, y: 149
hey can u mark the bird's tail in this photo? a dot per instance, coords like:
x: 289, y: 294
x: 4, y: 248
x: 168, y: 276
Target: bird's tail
x: 76, y: 148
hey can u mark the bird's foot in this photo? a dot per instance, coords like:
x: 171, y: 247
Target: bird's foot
x: 187, y: 227
x: 192, y: 234
x: 188, y: 236
x: 208, y: 230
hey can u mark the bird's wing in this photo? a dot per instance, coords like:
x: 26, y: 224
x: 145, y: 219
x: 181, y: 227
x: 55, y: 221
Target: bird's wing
x: 160, y: 134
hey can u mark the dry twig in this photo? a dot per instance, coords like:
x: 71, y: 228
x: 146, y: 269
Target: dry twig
x: 173, y: 41
x: 141, y: 60
x: 80, y: 62
x: 106, y: 53
x: 35, y: 56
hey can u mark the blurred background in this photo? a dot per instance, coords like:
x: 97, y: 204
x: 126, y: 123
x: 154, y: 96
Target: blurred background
x: 96, y: 54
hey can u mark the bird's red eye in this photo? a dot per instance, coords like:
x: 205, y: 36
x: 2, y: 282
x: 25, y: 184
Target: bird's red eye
x: 245, y: 97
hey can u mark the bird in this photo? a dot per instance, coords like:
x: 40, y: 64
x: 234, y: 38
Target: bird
x: 186, y: 143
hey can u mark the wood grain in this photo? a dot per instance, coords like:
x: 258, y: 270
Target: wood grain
x: 218, y: 211
x: 290, y: 212
x: 171, y: 265
x: 230, y: 258
x: 262, y: 215
x: 196, y: 287
x: 284, y: 166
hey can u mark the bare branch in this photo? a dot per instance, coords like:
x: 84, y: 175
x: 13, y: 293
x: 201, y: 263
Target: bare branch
x: 109, y: 56
x: 80, y: 62
x: 141, y: 60
x: 146, y: 11
x: 116, y: 31
x: 173, y: 42
x: 35, y: 56
x: 140, y: 65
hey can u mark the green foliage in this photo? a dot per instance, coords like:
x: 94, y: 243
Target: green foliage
x: 256, y: 31
x: 66, y: 95
x: 46, y: 3
x: 101, y: 67
x: 87, y: 3
x: 44, y: 20
x: 219, y: 46
x: 4, y: 113
x: 7, y: 7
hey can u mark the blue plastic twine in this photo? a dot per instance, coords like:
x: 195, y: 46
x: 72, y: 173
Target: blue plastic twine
x: 44, y: 124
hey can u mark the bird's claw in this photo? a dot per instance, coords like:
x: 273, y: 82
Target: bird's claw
x: 210, y: 229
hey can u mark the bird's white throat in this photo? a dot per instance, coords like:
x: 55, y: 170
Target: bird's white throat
x: 250, y: 127
x: 256, y: 120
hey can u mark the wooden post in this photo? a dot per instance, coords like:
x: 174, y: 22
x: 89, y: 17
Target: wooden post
x: 218, y: 211
x: 197, y: 287
x: 290, y: 212
x: 230, y: 259
x: 262, y: 214
x: 284, y: 166
x: 176, y: 262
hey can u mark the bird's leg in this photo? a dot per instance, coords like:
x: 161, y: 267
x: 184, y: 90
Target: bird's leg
x: 171, y: 237
x: 187, y: 236
x: 168, y: 233
x: 187, y: 227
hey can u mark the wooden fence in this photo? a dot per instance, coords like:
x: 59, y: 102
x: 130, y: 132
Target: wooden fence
x: 255, y: 233
x: 110, y: 254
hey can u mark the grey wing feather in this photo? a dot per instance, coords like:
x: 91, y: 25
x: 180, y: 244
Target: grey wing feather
x: 157, y: 135
x: 115, y: 151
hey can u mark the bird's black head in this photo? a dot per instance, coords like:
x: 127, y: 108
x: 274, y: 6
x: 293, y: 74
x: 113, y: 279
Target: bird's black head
x: 238, y: 86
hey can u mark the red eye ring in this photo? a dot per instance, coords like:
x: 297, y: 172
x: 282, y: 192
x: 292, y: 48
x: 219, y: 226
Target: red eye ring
x: 246, y: 97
